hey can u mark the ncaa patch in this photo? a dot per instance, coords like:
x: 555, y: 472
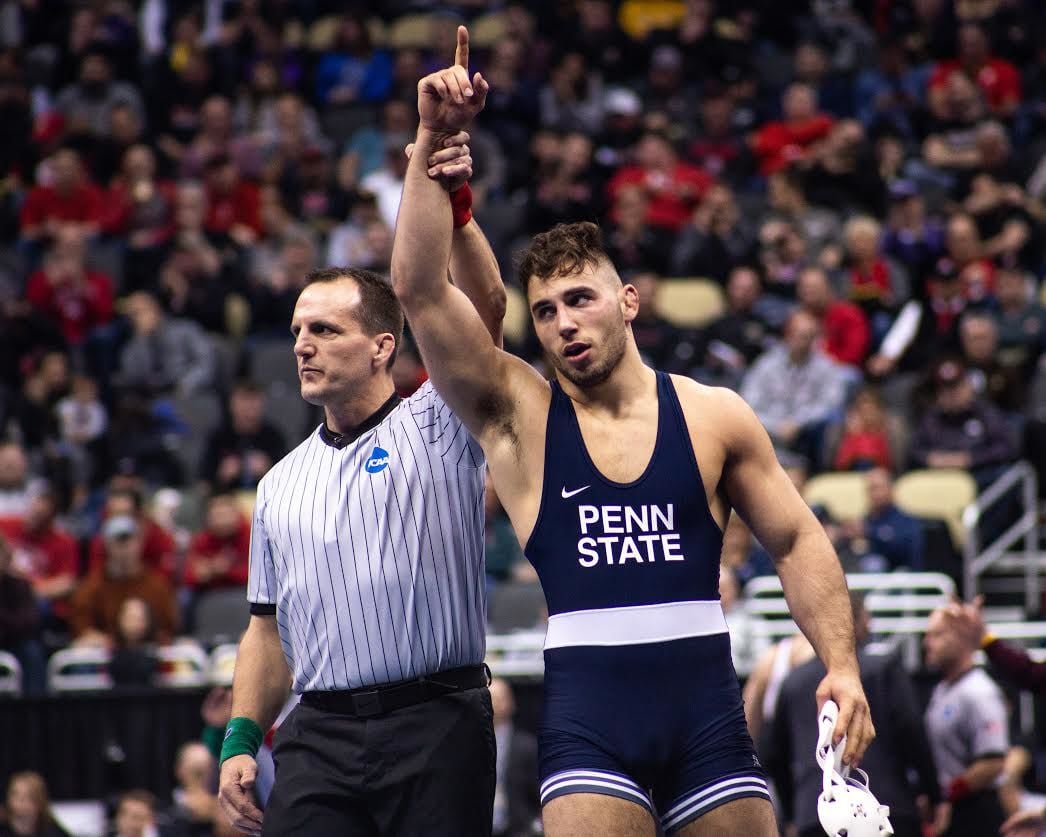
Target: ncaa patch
x: 377, y: 461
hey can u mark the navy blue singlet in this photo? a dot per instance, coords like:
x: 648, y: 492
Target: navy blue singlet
x: 641, y: 698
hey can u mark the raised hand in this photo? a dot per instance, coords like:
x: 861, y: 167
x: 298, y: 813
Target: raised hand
x: 448, y: 100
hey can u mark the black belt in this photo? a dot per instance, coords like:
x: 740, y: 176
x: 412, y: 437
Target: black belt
x: 371, y: 701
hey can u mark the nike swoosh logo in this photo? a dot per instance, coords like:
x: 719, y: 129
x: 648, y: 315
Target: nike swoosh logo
x: 566, y: 495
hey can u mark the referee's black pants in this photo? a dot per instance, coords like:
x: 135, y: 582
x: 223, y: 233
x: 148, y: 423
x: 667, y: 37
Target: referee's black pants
x: 426, y: 769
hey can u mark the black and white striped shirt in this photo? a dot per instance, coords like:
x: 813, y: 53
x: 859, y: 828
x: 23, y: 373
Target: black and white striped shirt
x: 371, y: 552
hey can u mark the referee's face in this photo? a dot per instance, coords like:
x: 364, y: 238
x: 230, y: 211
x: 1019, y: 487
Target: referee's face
x: 336, y: 359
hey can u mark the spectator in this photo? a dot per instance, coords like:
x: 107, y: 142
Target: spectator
x: 386, y: 184
x: 877, y: 285
x: 786, y: 199
x: 517, y: 808
x: 633, y: 242
x: 795, y: 388
x: 125, y: 131
x: 762, y: 689
x: 158, y: 547
x: 961, y: 430
x: 910, y: 238
x: 991, y: 379
x: 14, y: 480
x: 217, y: 137
x: 674, y: 188
x: 571, y: 100
x: 1011, y: 662
x: 75, y: 298
x: 368, y: 143
x: 273, y: 296
x: 165, y: 355
x: 232, y: 202
x: 140, y: 208
x: 898, y: 761
x: 967, y: 726
x: 353, y: 71
x: 720, y: 148
x: 778, y: 144
x: 218, y: 555
x: 730, y: 343
x: 866, y: 436
x: 88, y: 104
x: 1020, y: 321
x: 715, y: 240
x: 136, y: 815
x: 965, y: 251
x: 998, y: 79
x: 44, y: 554
x: 279, y: 226
x: 66, y: 197
x: 20, y: 624
x: 661, y: 344
x: 46, y: 380
x: 194, y: 812
x: 133, y: 663
x: 893, y: 540
x: 844, y: 326
x: 97, y: 602
x: 841, y: 172
x: 245, y: 446
x: 28, y: 811
x: 782, y: 255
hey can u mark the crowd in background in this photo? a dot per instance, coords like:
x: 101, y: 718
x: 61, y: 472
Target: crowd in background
x: 866, y: 182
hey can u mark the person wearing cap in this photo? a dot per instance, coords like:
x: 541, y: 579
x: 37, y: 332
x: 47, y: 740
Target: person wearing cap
x: 96, y: 603
x: 961, y: 430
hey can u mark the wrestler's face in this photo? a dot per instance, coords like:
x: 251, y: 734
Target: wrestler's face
x: 336, y: 357
x: 582, y: 320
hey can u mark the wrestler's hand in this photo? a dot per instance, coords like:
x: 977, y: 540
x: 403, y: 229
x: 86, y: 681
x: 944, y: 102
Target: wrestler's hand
x: 451, y: 165
x: 843, y: 685
x: 447, y: 100
x: 234, y: 794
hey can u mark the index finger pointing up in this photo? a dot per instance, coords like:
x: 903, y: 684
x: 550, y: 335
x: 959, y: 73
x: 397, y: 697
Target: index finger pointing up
x: 461, y: 56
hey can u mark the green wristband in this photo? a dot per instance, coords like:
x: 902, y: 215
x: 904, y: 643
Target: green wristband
x: 242, y: 737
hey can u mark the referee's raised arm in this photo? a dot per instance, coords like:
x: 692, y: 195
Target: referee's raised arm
x: 259, y: 689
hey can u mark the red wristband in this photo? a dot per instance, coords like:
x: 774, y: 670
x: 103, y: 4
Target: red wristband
x: 958, y: 789
x: 461, y: 205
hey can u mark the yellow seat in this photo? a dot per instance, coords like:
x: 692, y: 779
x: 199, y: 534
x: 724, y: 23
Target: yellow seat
x: 517, y: 315
x: 843, y: 493
x: 413, y: 31
x: 940, y: 493
x: 690, y: 302
x: 486, y: 30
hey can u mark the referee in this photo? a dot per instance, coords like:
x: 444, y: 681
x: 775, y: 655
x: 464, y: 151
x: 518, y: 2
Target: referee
x: 366, y: 582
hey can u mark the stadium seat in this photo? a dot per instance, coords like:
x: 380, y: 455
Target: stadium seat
x: 223, y: 662
x: 411, y: 31
x: 79, y: 669
x: 486, y: 30
x: 515, y: 606
x: 184, y: 664
x: 221, y: 616
x: 842, y: 493
x: 690, y: 302
x: 10, y: 674
x: 940, y: 493
x: 237, y: 316
x: 202, y: 413
x: 517, y: 316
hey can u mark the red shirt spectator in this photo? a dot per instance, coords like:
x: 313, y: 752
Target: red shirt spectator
x: 137, y: 205
x: 998, y: 79
x: 219, y: 561
x: 71, y: 198
x: 76, y: 299
x: 779, y: 144
x: 846, y: 334
x: 234, y: 205
x: 673, y: 188
x: 158, y: 550
x: 44, y: 554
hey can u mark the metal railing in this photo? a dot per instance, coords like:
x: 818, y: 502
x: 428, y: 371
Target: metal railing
x: 976, y: 562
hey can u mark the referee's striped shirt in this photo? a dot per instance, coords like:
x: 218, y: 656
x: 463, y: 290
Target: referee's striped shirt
x: 371, y: 551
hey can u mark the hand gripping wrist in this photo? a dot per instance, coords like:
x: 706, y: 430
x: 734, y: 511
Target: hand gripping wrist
x: 242, y: 737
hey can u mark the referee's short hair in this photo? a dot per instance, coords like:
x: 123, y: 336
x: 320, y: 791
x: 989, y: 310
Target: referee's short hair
x: 379, y: 311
